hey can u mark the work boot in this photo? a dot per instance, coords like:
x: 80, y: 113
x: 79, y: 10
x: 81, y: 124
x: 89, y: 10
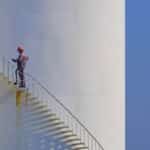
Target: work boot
x: 15, y: 83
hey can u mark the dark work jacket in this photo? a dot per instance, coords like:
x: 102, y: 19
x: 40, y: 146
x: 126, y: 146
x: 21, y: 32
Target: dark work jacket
x: 20, y: 62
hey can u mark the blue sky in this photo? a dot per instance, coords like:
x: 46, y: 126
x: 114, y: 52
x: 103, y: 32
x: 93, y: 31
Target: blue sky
x: 138, y: 74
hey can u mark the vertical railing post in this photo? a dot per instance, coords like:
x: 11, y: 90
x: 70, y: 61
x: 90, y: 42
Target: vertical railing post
x: 72, y: 127
x: 92, y: 144
x: 84, y: 138
x: 95, y: 145
x: 76, y: 128
x: 8, y: 71
x: 33, y: 88
x: 3, y: 63
x: 88, y: 141
x: 12, y: 73
x: 80, y: 132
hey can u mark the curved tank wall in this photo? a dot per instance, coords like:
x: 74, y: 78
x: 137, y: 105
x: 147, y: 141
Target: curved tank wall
x: 7, y: 117
x: 7, y: 29
x: 76, y: 49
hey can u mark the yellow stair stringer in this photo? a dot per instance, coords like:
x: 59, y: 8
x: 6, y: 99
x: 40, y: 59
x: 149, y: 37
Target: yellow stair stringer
x: 21, y: 101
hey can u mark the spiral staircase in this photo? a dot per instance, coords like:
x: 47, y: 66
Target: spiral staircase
x: 42, y: 118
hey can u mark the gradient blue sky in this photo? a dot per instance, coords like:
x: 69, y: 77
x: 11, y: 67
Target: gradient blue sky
x: 138, y: 74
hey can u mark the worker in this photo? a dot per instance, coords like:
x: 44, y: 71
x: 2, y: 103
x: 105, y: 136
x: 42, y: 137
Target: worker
x: 21, y: 63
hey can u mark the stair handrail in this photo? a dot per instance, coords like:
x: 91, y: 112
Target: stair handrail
x: 9, y: 65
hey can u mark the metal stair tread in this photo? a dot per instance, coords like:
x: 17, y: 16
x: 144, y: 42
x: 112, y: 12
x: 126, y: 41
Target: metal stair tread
x: 57, y: 133
x: 60, y: 136
x: 33, y: 102
x: 38, y: 117
x: 35, y: 119
x: 76, y: 144
x: 67, y: 136
x: 37, y: 106
x: 51, y: 130
x: 71, y: 140
x: 44, y: 115
x: 29, y: 94
x: 47, y: 124
x: 31, y: 97
x: 32, y: 112
x: 43, y: 121
x: 38, y: 127
x: 60, y: 133
x: 80, y: 148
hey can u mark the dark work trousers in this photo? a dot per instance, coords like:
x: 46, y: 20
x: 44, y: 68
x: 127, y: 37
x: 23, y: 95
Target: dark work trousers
x: 20, y: 72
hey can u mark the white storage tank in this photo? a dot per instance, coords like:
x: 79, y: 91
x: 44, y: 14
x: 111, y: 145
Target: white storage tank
x: 76, y: 49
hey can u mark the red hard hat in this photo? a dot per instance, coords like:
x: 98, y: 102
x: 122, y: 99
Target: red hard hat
x: 20, y: 49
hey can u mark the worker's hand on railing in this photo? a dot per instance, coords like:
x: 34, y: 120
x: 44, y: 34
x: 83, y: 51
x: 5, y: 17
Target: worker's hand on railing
x: 13, y: 60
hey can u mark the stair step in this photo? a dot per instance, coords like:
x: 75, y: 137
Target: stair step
x: 5, y: 78
x: 76, y: 144
x: 34, y: 103
x: 80, y: 148
x: 53, y: 121
x: 67, y: 136
x: 55, y: 133
x: 51, y: 129
x: 29, y: 94
x: 31, y: 97
x: 59, y: 128
x: 37, y: 107
x: 49, y: 125
x: 36, y: 112
x: 39, y: 117
x: 43, y: 121
x: 10, y: 83
x: 71, y: 140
